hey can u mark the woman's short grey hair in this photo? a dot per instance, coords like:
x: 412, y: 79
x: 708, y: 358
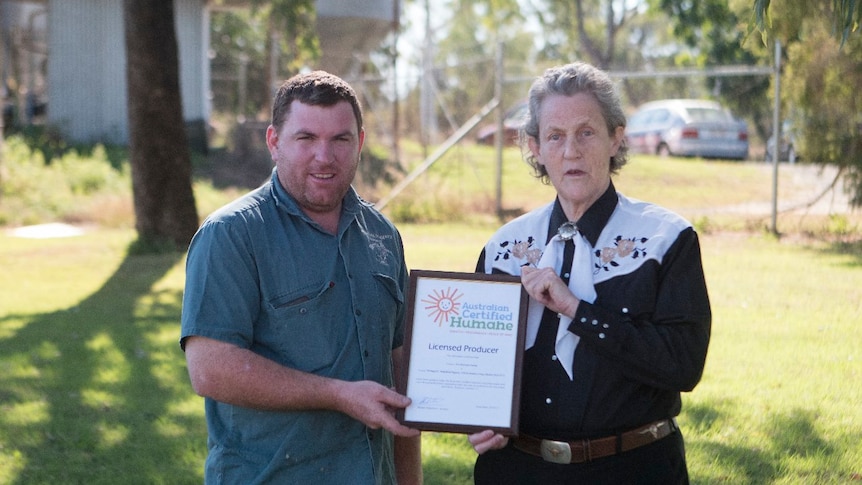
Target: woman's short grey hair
x: 569, y: 80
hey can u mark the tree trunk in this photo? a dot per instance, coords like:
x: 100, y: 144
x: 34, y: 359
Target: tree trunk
x: 164, y: 203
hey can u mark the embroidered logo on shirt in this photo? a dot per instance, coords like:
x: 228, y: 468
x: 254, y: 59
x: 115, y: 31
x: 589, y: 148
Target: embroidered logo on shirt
x: 378, y: 247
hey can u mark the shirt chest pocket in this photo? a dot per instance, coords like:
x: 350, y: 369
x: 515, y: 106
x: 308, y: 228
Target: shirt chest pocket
x: 386, y: 300
x: 308, y: 327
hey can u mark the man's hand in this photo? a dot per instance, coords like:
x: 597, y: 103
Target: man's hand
x: 374, y: 405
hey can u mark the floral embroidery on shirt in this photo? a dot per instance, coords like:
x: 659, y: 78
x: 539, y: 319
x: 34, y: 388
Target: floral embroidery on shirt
x: 623, y: 248
x: 519, y: 250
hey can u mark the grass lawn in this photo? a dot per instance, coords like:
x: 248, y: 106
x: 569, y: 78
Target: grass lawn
x: 93, y: 386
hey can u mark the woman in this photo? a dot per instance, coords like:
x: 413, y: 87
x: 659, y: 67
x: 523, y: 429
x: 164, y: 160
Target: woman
x: 619, y: 316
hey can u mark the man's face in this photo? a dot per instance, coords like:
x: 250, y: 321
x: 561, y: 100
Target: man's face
x: 316, y: 153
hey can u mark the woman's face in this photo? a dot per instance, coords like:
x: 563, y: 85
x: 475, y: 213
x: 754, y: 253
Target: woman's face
x: 575, y: 148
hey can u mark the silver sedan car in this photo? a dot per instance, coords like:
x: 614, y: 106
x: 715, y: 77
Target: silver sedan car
x: 687, y: 128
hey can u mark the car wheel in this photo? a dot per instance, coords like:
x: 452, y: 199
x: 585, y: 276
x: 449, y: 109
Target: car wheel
x: 663, y: 150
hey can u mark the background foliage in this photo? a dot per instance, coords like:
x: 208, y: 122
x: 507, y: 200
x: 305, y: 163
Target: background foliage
x: 93, y: 385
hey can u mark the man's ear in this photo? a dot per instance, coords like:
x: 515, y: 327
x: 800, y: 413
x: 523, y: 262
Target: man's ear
x: 272, y: 140
x: 361, y: 139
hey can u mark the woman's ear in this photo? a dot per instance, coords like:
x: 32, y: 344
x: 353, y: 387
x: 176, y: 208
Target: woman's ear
x: 617, y: 139
x: 533, y: 145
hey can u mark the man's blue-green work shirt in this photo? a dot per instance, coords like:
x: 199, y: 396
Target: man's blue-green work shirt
x: 261, y: 275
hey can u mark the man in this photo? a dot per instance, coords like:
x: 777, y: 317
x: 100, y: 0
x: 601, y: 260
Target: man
x: 293, y: 311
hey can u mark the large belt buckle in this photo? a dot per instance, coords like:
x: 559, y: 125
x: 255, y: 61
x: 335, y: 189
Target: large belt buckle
x: 556, y: 451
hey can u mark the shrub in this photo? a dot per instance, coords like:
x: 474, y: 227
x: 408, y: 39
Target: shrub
x: 34, y: 189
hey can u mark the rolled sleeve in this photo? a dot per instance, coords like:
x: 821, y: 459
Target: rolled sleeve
x: 222, y: 295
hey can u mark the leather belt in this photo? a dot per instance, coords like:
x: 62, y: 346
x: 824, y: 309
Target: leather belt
x: 564, y: 452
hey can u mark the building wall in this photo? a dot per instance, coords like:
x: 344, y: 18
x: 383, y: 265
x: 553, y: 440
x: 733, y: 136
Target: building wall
x: 87, y: 67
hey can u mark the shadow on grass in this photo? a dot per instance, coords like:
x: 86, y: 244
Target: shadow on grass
x: 788, y: 437
x: 441, y: 470
x: 96, y: 393
x: 848, y: 248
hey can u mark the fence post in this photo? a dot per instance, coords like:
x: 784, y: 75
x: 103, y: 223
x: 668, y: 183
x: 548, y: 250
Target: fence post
x: 776, y: 135
x: 499, y: 138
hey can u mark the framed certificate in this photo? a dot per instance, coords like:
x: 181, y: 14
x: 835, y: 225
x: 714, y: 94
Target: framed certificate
x: 464, y: 345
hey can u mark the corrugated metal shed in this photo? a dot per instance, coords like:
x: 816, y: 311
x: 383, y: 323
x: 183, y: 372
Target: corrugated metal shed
x: 87, y: 62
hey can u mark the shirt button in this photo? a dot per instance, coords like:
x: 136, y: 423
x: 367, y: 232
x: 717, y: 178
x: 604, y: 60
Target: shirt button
x: 583, y: 319
x: 547, y: 400
x: 602, y: 335
x: 625, y: 310
x: 554, y: 358
x: 366, y: 353
x: 358, y: 312
x: 595, y: 322
x: 605, y: 325
x: 566, y: 275
x: 303, y: 311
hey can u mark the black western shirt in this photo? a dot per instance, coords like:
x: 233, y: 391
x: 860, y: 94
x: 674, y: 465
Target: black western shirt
x: 643, y: 340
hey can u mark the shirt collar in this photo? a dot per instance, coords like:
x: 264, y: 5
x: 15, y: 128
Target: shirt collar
x: 593, y: 220
x: 349, y: 205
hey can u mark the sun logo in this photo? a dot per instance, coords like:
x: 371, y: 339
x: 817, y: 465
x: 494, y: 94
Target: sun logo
x: 441, y: 304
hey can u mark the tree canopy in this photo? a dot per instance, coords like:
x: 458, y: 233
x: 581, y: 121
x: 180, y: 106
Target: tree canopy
x: 822, y: 76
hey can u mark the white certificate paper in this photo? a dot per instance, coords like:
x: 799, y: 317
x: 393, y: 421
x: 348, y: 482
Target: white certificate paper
x: 464, y: 345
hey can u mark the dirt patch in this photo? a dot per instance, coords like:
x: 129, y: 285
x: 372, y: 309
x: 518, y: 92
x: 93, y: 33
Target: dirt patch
x: 810, y: 189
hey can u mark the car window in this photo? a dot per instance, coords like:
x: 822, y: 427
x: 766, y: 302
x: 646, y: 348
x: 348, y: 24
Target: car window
x: 639, y: 119
x: 706, y: 114
x: 659, y: 117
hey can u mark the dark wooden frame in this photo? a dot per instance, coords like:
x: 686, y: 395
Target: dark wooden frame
x: 516, y: 365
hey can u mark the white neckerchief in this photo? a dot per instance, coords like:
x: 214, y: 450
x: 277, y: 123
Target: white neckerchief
x: 580, y: 284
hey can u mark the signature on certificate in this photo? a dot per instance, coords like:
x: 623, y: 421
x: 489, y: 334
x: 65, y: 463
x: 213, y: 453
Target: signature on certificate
x: 425, y: 402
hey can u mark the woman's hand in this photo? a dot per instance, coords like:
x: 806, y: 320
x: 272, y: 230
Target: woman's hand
x: 487, y: 440
x: 547, y: 288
